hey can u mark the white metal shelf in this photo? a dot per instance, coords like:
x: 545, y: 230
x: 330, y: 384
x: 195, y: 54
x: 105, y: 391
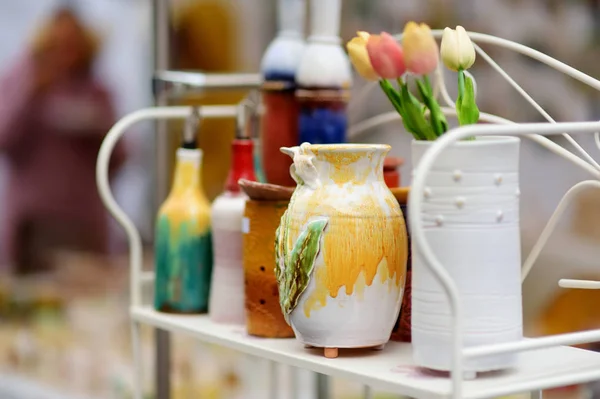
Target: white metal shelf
x: 391, y: 369
x: 553, y: 366
x: 542, y: 362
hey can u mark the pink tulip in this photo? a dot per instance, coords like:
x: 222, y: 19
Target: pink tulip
x: 386, y: 56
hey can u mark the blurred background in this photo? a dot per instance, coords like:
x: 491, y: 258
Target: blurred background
x: 70, y: 69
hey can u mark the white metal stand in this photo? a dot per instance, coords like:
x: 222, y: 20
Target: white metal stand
x: 551, y: 365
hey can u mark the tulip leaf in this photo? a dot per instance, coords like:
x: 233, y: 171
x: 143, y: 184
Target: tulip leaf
x: 436, y: 116
x: 466, y: 108
x: 412, y: 105
x: 392, y: 94
x: 414, y: 114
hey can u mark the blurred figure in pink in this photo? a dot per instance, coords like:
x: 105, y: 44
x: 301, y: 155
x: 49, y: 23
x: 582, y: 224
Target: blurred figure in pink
x: 53, y: 117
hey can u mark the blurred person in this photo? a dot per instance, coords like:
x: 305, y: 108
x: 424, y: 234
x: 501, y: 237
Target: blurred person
x: 53, y: 118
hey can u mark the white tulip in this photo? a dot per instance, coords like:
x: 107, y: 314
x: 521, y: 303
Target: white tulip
x: 457, y: 50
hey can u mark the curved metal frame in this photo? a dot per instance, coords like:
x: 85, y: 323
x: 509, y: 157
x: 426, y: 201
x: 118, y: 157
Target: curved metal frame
x: 418, y: 236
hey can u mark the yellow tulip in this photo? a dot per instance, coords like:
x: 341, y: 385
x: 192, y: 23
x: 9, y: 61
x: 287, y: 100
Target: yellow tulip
x: 357, y: 51
x: 420, y: 49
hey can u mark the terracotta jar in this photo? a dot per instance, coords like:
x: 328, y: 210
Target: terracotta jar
x: 262, y: 215
x: 402, y: 329
x: 391, y: 174
x: 392, y: 177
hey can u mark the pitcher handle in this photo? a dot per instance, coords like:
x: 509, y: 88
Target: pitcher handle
x: 303, y: 170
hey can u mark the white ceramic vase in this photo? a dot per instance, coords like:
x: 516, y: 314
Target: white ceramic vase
x: 471, y: 222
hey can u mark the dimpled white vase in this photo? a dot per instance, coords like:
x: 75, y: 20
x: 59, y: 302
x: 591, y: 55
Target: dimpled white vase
x: 471, y: 222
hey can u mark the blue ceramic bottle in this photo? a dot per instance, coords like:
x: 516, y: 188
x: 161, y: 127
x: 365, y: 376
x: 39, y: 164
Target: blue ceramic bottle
x: 324, y: 78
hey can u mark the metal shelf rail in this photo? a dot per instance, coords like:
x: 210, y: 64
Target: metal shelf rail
x: 177, y: 83
x: 543, y: 362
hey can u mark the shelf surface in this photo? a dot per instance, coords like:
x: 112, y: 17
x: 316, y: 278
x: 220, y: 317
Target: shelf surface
x: 391, y: 369
x: 13, y: 386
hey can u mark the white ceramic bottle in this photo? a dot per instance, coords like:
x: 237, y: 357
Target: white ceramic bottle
x: 324, y: 78
x: 282, y: 57
x: 324, y: 63
x: 226, y: 303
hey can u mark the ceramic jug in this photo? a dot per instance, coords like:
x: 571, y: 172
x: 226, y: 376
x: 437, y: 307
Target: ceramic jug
x: 341, y: 248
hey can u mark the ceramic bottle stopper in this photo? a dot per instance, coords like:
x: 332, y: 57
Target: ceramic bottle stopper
x: 183, y: 249
x: 279, y: 65
x: 324, y: 78
x: 226, y: 303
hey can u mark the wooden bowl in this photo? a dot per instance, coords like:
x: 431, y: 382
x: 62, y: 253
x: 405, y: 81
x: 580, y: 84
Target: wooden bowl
x: 265, y: 192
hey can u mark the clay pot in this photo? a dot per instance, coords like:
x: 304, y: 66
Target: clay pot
x: 402, y: 328
x: 262, y: 215
x: 391, y: 174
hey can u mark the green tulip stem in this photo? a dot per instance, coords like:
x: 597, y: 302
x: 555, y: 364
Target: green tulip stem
x: 400, y: 82
x: 461, y: 82
x: 427, y: 84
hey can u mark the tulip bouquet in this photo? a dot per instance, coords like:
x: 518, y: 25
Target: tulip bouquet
x: 381, y: 58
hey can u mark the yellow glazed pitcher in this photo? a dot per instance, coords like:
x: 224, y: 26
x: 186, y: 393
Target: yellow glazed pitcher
x: 341, y: 248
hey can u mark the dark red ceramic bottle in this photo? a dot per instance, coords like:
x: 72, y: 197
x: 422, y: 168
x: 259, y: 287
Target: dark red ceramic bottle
x: 242, y: 164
